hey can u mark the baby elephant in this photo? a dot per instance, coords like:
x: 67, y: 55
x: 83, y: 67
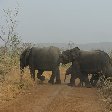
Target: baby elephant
x: 71, y: 70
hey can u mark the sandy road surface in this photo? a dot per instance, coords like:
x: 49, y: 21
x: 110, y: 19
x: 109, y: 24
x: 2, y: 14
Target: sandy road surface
x: 55, y: 98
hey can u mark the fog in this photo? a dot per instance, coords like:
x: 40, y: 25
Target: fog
x: 61, y: 21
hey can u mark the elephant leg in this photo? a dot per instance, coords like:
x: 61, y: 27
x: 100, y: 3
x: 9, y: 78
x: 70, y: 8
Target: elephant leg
x: 55, y: 73
x: 87, y: 82
x: 95, y: 83
x: 92, y: 80
x: 58, y: 81
x: 52, y: 77
x: 39, y: 75
x: 81, y: 82
x: 72, y: 80
x: 75, y: 72
x: 32, y: 72
x: 40, y: 72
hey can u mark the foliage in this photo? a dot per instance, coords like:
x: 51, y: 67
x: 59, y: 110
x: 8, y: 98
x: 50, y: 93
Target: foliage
x: 8, y: 34
x: 9, y: 52
x: 105, y: 89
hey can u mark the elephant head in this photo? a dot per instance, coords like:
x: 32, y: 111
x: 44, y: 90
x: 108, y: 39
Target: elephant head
x: 70, y: 55
x: 24, y: 58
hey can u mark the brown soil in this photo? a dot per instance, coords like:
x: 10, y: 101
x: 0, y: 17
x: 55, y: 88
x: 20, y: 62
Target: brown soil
x: 55, y: 98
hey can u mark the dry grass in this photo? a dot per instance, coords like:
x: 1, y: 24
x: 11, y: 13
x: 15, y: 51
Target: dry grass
x: 12, y: 87
x: 105, y: 91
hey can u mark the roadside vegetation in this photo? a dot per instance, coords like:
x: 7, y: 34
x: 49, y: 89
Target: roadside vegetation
x: 10, y: 51
x: 105, y: 91
x: 10, y: 85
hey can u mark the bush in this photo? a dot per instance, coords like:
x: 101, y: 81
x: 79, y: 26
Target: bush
x: 105, y: 89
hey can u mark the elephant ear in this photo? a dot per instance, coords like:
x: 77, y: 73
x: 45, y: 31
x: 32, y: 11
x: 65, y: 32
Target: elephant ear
x: 75, y: 53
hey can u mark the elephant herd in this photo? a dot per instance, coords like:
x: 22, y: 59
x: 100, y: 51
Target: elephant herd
x: 95, y: 62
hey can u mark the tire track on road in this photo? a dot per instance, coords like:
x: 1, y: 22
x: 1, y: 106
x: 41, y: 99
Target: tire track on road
x: 56, y: 98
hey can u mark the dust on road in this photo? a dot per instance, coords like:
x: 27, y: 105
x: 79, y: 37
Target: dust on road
x: 56, y: 98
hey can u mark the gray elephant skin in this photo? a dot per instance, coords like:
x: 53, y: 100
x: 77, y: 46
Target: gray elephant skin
x: 87, y: 62
x: 71, y: 71
x: 42, y: 59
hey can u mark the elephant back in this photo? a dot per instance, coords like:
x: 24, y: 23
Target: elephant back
x: 45, y: 58
x: 94, y: 61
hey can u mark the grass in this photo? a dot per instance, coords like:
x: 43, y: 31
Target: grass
x: 11, y: 87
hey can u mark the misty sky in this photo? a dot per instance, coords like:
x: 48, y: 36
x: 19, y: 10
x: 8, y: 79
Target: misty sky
x: 80, y: 21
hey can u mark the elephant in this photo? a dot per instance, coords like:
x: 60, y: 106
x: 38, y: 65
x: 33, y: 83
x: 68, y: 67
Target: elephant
x: 42, y: 59
x: 24, y: 62
x: 71, y: 70
x: 87, y: 62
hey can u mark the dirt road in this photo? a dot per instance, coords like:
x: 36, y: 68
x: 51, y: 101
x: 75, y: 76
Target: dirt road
x: 55, y: 98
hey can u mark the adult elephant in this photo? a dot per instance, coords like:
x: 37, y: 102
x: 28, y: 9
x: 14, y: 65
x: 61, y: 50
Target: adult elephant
x: 42, y: 59
x: 87, y: 62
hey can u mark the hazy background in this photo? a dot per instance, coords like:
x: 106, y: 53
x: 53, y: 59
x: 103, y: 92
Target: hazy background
x: 61, y: 21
